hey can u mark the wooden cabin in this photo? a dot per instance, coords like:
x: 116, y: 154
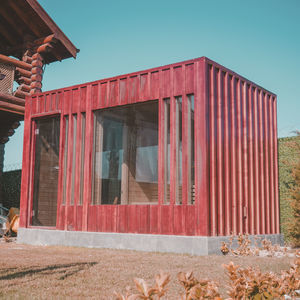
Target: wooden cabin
x: 154, y: 160
x: 29, y: 39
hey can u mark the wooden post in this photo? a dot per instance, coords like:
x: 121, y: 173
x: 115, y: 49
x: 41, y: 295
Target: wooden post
x: 201, y: 149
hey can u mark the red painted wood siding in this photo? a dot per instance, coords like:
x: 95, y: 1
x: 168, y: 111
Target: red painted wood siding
x: 236, y: 171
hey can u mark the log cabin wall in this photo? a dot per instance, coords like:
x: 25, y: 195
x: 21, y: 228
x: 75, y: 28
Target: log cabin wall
x: 216, y: 130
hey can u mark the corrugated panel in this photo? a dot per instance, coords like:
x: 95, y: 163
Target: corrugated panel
x: 242, y: 155
x: 236, y: 183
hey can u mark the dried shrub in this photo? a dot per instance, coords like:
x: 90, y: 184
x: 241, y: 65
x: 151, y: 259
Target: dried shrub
x: 197, y: 289
x: 251, y: 283
x: 244, y: 283
x: 245, y: 247
x: 146, y: 292
x: 224, y: 248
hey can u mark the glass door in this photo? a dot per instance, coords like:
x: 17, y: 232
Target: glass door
x: 46, y: 170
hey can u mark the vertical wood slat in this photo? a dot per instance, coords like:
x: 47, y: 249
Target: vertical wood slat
x: 251, y: 162
x: 266, y: 161
x: 219, y: 152
x: 41, y: 103
x: 161, y: 154
x: 47, y: 103
x: 261, y: 163
x: 31, y: 171
x: 26, y: 162
x: 201, y: 101
x: 173, y: 156
x: 185, y: 167
x: 69, y: 161
x: 212, y: 139
x: 123, y: 91
x: 180, y: 86
x: 76, y: 99
x: 59, y: 214
x: 271, y: 159
x: 227, y: 190
x: 245, y: 204
x: 88, y: 160
x: 277, y: 209
x: 239, y: 158
x: 256, y: 163
x: 233, y: 156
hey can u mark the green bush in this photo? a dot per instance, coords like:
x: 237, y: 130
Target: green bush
x: 289, y: 157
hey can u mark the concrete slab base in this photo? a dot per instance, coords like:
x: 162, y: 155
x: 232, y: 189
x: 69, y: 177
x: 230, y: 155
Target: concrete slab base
x: 194, y: 245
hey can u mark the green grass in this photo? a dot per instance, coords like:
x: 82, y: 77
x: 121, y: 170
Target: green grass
x: 288, y: 156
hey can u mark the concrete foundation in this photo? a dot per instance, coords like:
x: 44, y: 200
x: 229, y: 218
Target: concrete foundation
x: 195, y: 245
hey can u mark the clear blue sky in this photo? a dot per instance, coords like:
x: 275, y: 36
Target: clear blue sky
x: 257, y: 39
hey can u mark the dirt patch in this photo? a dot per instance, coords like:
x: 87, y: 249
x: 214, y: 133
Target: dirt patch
x: 40, y: 272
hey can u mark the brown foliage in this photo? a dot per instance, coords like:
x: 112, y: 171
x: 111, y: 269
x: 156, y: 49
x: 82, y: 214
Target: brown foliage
x: 251, y: 283
x: 145, y: 292
x: 245, y: 247
x: 244, y: 283
x: 197, y: 289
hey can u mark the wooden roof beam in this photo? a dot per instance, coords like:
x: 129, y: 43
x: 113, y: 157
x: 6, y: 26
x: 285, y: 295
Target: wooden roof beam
x: 12, y: 19
x: 53, y: 27
x: 15, y: 62
x: 12, y: 99
x: 5, y: 33
x: 25, y: 18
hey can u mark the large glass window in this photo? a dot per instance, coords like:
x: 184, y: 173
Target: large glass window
x: 46, y: 171
x: 126, y: 155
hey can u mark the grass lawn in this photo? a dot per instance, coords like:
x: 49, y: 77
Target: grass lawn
x: 43, y: 272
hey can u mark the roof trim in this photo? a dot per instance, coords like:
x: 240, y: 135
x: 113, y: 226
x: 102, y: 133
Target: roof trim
x: 53, y: 27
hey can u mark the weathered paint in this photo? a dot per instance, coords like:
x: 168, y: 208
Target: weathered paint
x: 236, y: 170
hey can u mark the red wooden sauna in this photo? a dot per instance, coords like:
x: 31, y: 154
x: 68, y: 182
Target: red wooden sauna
x: 188, y: 149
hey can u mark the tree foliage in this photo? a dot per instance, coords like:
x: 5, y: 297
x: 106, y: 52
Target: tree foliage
x: 289, y: 157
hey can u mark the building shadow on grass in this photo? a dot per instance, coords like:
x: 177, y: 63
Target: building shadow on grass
x: 63, y: 270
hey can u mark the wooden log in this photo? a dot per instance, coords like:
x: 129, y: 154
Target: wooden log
x: 36, y: 84
x: 4, y: 140
x: 12, y: 107
x: 25, y: 80
x: 15, y: 125
x: 36, y: 77
x: 37, y: 56
x: 21, y: 94
x: 27, y: 59
x: 23, y: 72
x: 35, y: 91
x: 12, y: 99
x: 25, y: 88
x: 10, y: 132
x: 37, y: 63
x: 45, y: 48
x: 17, y: 63
x: 52, y: 38
x: 37, y: 70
